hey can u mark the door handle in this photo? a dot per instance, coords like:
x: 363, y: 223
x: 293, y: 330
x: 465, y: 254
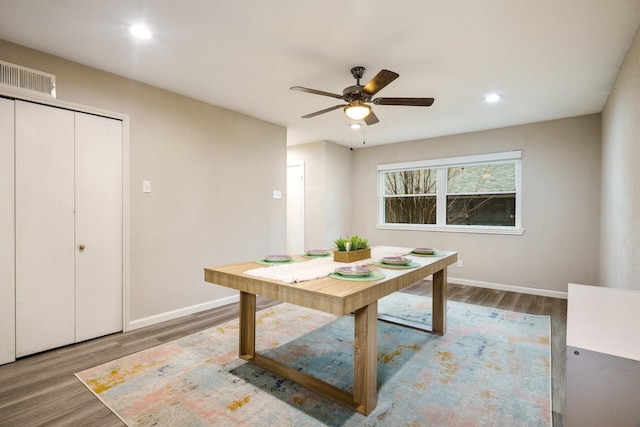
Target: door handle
x: 81, y: 247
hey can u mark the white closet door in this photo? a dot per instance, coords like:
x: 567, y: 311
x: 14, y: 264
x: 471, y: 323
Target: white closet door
x: 295, y: 209
x: 7, y: 242
x: 44, y: 149
x: 98, y: 226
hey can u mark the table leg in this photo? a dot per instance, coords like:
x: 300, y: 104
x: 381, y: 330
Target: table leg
x: 365, y: 363
x: 365, y: 388
x: 440, y: 301
x: 247, y: 325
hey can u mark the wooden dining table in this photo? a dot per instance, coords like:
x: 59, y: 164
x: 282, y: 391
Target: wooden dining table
x: 338, y: 297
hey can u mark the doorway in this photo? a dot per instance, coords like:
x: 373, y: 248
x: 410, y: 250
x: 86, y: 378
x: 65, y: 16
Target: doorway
x: 295, y: 208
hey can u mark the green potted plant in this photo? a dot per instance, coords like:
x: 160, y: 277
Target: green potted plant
x: 351, y: 249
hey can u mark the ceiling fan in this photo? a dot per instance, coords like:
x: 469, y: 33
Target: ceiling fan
x: 357, y: 96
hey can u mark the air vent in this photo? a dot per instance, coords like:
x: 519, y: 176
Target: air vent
x: 27, y: 80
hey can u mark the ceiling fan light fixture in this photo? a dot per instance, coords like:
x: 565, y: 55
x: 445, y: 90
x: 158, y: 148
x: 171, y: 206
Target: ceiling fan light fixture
x: 357, y: 111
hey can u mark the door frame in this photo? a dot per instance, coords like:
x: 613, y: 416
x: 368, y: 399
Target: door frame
x: 17, y: 95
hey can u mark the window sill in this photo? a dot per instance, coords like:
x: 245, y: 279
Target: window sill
x: 453, y: 229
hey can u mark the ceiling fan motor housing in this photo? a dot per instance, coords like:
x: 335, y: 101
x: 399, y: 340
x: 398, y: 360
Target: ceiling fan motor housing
x: 355, y: 93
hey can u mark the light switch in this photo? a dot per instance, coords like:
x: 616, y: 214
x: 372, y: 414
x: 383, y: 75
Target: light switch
x: 146, y: 186
x: 277, y: 194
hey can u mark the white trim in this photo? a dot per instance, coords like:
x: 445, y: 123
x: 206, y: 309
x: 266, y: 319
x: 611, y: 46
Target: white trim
x: 126, y: 267
x: 519, y: 195
x: 11, y: 93
x: 174, y: 314
x: 473, y: 229
x: 441, y: 200
x: 462, y: 160
x: 509, y: 288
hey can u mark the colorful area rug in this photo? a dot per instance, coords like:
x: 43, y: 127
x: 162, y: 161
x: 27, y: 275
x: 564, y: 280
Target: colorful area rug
x: 491, y: 368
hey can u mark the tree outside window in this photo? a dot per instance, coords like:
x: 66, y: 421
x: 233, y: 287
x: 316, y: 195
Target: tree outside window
x: 410, y: 197
x: 482, y: 194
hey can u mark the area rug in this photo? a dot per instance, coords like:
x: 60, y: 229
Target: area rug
x: 491, y: 368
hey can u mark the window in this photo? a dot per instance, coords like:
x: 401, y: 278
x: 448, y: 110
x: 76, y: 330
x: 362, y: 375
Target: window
x: 474, y: 193
x: 410, y: 196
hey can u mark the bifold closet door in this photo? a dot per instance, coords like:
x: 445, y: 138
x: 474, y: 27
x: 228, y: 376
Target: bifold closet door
x: 98, y: 226
x: 45, y: 249
x: 7, y: 232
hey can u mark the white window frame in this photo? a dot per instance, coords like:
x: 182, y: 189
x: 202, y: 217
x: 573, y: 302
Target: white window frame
x: 441, y: 193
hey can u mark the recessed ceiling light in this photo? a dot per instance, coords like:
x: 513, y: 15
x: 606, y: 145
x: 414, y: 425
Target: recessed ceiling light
x: 140, y: 31
x: 355, y: 125
x: 493, y: 97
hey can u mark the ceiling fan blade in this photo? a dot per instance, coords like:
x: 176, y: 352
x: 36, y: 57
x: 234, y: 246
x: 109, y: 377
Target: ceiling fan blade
x: 383, y: 78
x: 317, y: 92
x: 326, y: 110
x: 371, y: 119
x: 412, y: 102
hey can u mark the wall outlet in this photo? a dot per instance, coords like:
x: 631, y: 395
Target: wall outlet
x: 460, y: 263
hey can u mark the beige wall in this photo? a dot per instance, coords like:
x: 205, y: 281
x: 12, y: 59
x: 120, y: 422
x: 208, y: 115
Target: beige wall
x: 212, y: 174
x: 327, y: 186
x: 560, y: 204
x: 620, y: 227
x: 338, y: 192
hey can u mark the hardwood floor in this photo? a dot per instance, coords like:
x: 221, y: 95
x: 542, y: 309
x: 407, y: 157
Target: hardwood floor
x: 42, y: 389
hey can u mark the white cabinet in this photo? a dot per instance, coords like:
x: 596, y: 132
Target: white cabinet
x: 45, y: 283
x: 68, y: 227
x: 99, y: 272
x: 603, y: 357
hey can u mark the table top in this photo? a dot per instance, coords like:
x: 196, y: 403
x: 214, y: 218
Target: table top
x: 326, y: 294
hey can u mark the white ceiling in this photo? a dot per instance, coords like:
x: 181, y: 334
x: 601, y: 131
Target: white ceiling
x: 548, y: 58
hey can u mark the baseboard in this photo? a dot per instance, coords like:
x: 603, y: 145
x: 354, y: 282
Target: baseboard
x: 509, y: 288
x: 174, y: 314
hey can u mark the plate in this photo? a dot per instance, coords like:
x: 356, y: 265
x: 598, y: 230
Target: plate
x: 424, y: 251
x: 395, y: 260
x: 277, y: 258
x: 354, y: 271
x: 318, y: 252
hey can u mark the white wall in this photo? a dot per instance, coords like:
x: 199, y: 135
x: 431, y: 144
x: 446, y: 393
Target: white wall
x: 560, y: 204
x: 327, y: 191
x: 212, y: 174
x: 620, y: 227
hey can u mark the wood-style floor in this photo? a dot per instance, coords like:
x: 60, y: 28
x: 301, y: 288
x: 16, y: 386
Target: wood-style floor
x: 42, y: 390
